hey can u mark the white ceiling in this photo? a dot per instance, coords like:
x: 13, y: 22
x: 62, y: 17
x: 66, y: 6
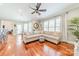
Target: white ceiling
x: 22, y: 12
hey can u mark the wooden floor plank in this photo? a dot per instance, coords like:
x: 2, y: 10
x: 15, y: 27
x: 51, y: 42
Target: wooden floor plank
x: 15, y: 47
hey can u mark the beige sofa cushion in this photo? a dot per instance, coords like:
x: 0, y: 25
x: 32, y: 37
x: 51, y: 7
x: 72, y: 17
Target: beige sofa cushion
x: 53, y: 33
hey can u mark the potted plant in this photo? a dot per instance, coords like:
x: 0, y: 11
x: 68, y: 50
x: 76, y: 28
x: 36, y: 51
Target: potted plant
x: 75, y: 29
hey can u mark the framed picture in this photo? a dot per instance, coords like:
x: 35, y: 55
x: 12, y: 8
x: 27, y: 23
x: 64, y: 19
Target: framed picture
x: 36, y: 25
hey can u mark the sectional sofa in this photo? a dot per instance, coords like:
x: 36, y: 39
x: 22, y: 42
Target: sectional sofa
x: 53, y: 37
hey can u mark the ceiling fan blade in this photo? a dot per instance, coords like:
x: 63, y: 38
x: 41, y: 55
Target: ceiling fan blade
x: 42, y: 10
x: 39, y: 13
x: 32, y: 8
x: 38, y: 5
x: 33, y: 12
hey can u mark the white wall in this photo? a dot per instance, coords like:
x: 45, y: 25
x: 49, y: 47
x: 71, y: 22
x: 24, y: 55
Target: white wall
x: 73, y: 13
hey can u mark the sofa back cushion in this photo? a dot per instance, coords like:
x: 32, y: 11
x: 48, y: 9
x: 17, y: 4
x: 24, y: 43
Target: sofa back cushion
x: 53, y: 33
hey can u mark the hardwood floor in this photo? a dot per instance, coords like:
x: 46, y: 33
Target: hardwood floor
x: 15, y: 47
x: 10, y: 47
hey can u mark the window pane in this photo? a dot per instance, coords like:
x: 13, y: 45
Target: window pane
x: 58, y: 29
x: 30, y: 27
x: 19, y: 28
x: 45, y: 23
x: 25, y: 28
x: 51, y: 23
x: 45, y: 29
x: 51, y: 29
x: 58, y: 20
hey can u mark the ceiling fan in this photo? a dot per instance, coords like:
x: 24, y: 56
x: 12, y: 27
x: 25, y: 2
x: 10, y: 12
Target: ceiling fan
x: 37, y: 9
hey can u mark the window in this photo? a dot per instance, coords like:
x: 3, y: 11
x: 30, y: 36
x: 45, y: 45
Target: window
x: 26, y: 27
x: 19, y: 28
x: 30, y: 27
x: 45, y: 25
x: 58, y: 20
x: 51, y: 25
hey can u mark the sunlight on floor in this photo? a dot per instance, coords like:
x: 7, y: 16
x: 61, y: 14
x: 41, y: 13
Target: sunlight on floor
x: 18, y: 40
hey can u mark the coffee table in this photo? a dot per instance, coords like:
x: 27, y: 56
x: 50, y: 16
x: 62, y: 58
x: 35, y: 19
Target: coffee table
x: 41, y: 39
